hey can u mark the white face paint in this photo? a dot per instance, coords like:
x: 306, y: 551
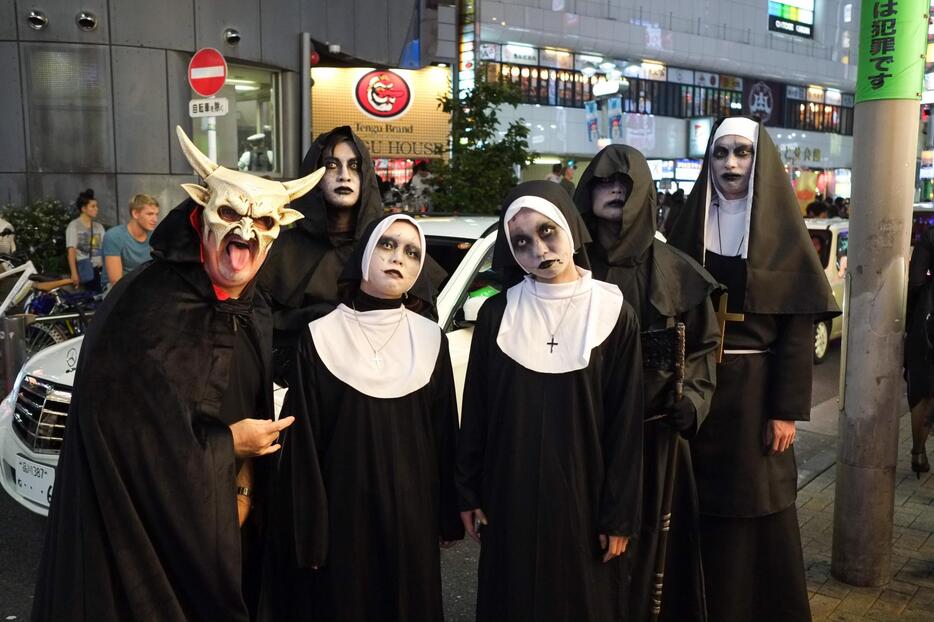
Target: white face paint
x: 395, y: 263
x: 541, y: 247
x: 341, y: 183
x: 609, y: 197
x: 242, y: 215
x: 731, y: 162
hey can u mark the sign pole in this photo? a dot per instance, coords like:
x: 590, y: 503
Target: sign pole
x: 212, y: 136
x: 893, y: 37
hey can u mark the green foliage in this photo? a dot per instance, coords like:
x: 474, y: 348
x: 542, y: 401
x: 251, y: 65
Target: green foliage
x: 40, y: 233
x: 482, y: 167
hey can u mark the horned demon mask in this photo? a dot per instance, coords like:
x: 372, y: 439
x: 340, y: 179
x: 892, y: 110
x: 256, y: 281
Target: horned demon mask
x: 235, y: 202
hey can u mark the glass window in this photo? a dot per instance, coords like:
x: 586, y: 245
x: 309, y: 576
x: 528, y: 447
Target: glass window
x: 247, y: 137
x: 843, y: 245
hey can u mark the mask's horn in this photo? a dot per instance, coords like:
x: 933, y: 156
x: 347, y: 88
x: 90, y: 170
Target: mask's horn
x: 301, y: 186
x: 200, y: 162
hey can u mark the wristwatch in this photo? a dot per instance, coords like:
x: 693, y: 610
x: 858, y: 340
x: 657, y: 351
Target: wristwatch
x: 244, y: 491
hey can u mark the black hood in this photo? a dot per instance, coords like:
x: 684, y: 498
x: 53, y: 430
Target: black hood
x: 175, y: 239
x: 783, y: 273
x: 312, y: 205
x: 503, y: 261
x: 289, y: 275
x: 638, y: 228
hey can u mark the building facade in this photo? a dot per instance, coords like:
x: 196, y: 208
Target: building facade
x: 94, y: 89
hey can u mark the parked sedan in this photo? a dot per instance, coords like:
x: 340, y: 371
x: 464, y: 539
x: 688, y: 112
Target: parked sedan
x: 33, y: 416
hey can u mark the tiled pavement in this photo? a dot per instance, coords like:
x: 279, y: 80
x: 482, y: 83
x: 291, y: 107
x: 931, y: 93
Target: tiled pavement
x: 910, y: 593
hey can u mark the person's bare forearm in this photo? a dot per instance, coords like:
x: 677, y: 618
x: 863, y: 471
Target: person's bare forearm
x: 114, y: 266
x: 244, y: 484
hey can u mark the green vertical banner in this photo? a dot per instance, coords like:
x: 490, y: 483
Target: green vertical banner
x: 892, y: 43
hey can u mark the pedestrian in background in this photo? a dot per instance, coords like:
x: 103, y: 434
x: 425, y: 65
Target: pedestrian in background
x: 567, y: 179
x: 127, y: 246
x: 919, y: 370
x: 555, y: 174
x: 83, y: 238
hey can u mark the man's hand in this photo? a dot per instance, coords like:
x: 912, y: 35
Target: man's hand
x: 255, y: 437
x: 779, y: 435
x: 681, y: 413
x: 472, y: 520
x: 74, y: 279
x: 613, y: 545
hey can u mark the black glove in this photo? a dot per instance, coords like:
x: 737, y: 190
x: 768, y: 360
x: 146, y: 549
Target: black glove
x: 681, y: 415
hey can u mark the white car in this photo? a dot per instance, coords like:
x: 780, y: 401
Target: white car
x: 830, y: 237
x: 33, y: 415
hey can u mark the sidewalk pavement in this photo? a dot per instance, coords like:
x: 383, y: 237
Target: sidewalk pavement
x: 910, y: 593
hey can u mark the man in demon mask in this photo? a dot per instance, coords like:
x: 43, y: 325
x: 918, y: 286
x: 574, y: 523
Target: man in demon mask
x: 171, y: 418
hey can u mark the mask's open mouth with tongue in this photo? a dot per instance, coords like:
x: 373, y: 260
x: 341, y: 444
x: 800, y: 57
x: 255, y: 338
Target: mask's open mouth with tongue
x: 238, y: 253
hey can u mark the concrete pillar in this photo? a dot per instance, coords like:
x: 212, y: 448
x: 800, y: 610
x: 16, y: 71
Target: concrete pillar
x: 893, y: 37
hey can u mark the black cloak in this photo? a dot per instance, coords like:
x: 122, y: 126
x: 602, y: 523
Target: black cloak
x: 366, y: 488
x: 143, y: 523
x: 665, y: 286
x: 783, y: 273
x: 750, y: 538
x: 552, y: 459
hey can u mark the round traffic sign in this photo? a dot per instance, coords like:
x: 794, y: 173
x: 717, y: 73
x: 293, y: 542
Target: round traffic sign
x: 207, y: 72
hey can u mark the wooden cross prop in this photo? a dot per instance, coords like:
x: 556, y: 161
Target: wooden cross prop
x: 724, y: 316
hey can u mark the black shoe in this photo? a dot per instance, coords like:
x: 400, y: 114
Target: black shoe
x: 919, y: 462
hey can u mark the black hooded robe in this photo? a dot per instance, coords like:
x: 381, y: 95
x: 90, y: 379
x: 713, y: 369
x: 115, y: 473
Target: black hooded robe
x: 664, y: 286
x: 143, y: 523
x: 366, y: 491
x: 552, y: 460
x: 300, y: 275
x: 751, y: 543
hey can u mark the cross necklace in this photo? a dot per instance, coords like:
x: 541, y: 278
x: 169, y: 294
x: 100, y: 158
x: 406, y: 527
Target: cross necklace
x: 552, y: 343
x: 377, y: 359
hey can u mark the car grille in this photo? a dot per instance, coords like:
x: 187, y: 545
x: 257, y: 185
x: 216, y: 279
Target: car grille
x: 40, y: 412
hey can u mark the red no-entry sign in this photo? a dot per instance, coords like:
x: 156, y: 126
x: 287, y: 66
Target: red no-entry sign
x: 207, y: 72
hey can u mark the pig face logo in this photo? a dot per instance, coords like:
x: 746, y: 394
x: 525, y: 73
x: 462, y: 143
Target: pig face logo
x: 383, y: 94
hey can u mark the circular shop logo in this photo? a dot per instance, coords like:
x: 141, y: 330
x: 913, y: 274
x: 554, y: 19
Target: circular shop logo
x: 760, y: 101
x: 383, y: 94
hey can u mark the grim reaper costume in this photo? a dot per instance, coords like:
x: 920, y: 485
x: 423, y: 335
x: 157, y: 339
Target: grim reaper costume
x: 551, y: 434
x: 664, y: 286
x: 759, y: 248
x: 143, y: 523
x: 300, y: 276
x: 378, y: 428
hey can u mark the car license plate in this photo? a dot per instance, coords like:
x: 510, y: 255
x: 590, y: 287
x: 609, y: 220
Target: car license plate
x: 34, y: 481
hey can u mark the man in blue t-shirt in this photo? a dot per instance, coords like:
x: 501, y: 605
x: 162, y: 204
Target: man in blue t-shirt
x: 127, y: 246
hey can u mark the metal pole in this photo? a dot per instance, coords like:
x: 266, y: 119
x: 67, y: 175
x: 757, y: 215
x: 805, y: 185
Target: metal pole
x: 885, y: 140
x: 306, y: 94
x: 14, y: 348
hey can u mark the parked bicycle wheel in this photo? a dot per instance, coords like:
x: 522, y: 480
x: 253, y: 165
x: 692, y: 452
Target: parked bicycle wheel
x: 40, y: 336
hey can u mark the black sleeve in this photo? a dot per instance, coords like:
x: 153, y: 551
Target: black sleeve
x: 918, y: 267
x: 700, y: 364
x: 444, y: 417
x: 621, y: 498
x: 471, y: 441
x: 304, y: 511
x: 790, y: 368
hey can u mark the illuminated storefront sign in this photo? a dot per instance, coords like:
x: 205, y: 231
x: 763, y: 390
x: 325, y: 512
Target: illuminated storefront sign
x: 395, y: 112
x: 792, y: 17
